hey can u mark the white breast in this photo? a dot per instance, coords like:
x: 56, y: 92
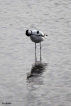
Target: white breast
x: 36, y: 38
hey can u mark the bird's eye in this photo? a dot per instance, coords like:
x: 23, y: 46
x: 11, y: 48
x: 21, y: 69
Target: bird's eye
x: 37, y: 32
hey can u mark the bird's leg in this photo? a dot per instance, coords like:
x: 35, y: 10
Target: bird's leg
x: 35, y: 53
x: 40, y: 52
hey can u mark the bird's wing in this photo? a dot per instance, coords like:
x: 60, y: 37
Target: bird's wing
x: 38, y: 35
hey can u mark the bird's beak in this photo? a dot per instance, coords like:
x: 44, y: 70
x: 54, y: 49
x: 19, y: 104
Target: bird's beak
x: 45, y: 35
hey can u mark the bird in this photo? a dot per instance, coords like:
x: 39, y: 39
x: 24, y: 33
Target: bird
x: 37, y: 37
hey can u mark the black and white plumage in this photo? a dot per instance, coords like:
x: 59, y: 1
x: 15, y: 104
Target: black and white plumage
x: 37, y: 37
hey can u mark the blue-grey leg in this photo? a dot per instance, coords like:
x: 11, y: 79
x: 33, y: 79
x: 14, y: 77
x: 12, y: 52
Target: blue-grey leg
x: 35, y: 53
x: 40, y: 52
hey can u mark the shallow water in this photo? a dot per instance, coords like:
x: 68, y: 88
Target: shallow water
x: 52, y: 86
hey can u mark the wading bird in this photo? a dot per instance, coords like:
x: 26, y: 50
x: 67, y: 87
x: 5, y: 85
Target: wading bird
x: 37, y: 37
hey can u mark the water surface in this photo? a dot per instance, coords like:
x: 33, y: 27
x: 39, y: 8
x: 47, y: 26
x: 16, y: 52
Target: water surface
x: 52, y: 87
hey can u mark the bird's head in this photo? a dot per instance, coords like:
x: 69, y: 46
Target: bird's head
x: 28, y: 32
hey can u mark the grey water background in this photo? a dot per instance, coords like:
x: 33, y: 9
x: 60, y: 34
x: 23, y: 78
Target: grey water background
x: 53, y: 87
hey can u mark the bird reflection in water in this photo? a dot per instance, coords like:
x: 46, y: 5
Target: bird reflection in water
x: 37, y: 69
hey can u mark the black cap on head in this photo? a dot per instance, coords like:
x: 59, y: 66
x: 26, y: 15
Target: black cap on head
x: 28, y: 32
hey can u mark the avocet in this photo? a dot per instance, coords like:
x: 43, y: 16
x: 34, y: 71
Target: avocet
x: 37, y: 37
